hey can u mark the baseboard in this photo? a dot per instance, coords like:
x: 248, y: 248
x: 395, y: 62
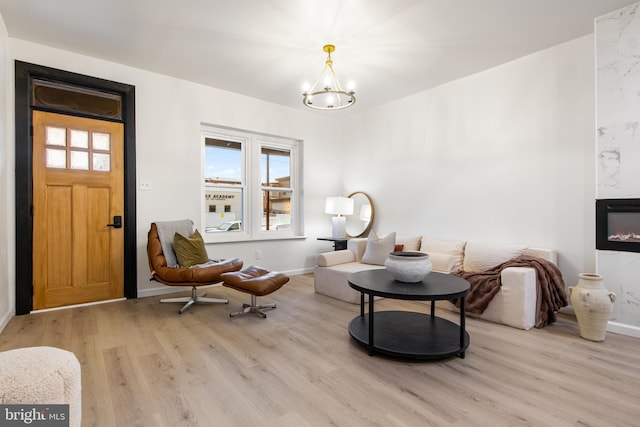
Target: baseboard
x: 164, y: 289
x: 623, y: 329
x: 6, y: 317
x: 86, y: 304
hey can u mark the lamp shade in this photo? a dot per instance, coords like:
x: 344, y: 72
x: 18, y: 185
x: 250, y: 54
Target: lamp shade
x: 339, y: 206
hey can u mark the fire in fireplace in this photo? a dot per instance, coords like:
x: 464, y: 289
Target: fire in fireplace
x: 618, y: 224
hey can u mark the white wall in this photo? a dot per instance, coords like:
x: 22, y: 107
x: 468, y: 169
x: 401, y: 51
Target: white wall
x: 505, y: 156
x: 168, y: 116
x: 7, y: 299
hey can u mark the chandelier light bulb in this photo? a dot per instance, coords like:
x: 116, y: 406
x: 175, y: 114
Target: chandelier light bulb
x: 327, y: 82
x: 327, y: 91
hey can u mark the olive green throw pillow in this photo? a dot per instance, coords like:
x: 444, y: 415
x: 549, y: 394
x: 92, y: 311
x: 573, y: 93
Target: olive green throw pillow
x: 190, y: 250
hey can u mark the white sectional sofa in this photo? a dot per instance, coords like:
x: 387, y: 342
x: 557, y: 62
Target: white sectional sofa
x: 514, y: 305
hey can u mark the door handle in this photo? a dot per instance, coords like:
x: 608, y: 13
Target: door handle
x: 117, y: 222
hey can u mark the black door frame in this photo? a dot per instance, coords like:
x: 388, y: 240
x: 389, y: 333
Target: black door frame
x: 24, y: 75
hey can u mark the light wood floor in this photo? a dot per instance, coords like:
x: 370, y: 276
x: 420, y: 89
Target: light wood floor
x: 145, y: 365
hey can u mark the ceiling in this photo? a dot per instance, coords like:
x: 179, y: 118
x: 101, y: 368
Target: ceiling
x: 268, y: 49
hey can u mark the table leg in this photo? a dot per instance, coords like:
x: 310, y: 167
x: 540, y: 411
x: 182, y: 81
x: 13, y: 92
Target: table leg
x: 371, y: 311
x: 462, y: 327
x: 361, y: 304
x: 433, y: 309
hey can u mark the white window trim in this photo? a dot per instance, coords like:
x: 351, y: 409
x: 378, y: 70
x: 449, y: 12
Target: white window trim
x: 252, y: 143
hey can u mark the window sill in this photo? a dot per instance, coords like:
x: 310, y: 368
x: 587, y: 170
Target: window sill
x: 256, y: 239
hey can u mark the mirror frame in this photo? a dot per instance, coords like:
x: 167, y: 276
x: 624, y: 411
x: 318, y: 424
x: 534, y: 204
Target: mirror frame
x: 356, y: 212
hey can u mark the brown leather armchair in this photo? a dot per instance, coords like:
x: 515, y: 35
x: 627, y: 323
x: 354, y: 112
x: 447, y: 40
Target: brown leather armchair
x: 193, y: 277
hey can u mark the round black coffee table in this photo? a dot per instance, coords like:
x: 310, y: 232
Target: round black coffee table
x: 405, y: 333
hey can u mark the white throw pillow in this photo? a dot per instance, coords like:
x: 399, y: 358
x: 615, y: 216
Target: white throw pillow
x: 378, y: 249
x: 410, y: 244
x: 480, y: 256
x: 450, y: 247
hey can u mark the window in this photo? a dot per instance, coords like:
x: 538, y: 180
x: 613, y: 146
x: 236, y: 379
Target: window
x: 251, y: 185
x: 275, y: 169
x: 77, y: 149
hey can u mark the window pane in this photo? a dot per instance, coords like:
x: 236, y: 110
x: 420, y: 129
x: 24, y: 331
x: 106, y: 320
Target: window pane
x: 275, y: 167
x: 276, y: 210
x: 65, y: 97
x: 80, y: 160
x: 101, y: 162
x: 222, y: 162
x: 56, y: 158
x: 101, y: 141
x: 79, y: 138
x: 56, y: 136
x: 223, y: 209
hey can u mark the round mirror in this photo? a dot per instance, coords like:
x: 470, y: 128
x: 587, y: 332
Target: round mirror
x: 360, y: 222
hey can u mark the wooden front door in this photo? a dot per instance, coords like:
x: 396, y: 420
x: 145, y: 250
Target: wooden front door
x: 78, y: 191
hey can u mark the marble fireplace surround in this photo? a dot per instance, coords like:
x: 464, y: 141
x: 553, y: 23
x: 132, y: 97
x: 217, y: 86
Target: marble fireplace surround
x: 617, y: 36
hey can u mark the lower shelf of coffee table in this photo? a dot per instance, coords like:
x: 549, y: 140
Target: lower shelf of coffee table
x: 410, y: 335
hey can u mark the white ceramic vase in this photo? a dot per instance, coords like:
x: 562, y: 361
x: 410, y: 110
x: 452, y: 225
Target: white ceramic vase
x: 410, y: 267
x: 592, y: 304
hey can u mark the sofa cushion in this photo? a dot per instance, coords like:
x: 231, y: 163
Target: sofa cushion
x: 378, y: 248
x: 411, y: 244
x: 334, y: 281
x: 453, y: 248
x: 442, y: 263
x: 480, y: 256
x: 328, y: 259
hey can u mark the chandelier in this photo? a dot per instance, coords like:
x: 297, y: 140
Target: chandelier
x: 326, y: 93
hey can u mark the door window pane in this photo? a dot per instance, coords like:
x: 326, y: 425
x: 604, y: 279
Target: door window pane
x: 66, y: 97
x: 79, y: 138
x: 56, y: 158
x: 56, y: 136
x: 101, y: 162
x: 80, y: 160
x: 101, y: 141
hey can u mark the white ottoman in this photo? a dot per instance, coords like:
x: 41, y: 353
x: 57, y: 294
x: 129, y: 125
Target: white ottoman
x: 42, y: 375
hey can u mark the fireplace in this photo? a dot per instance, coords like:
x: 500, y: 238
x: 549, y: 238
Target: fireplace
x: 618, y: 225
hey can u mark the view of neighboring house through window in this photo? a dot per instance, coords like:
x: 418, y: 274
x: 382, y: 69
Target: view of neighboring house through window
x: 251, y: 186
x: 223, y: 183
x: 275, y: 167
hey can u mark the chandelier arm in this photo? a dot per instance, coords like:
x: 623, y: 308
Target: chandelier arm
x: 335, y: 80
x: 313, y: 87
